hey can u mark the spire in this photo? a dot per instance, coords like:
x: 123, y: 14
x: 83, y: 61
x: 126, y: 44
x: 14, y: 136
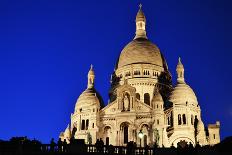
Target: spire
x: 91, y: 77
x: 140, y: 24
x: 180, y: 71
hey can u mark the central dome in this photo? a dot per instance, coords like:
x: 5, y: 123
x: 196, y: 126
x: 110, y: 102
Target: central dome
x: 140, y: 51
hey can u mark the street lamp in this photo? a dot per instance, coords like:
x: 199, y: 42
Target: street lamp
x: 140, y: 136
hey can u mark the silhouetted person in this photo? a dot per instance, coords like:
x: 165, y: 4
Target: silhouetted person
x: 134, y: 147
x: 129, y: 147
x: 97, y: 145
x: 101, y: 145
x: 172, y: 146
x: 52, y: 145
x: 146, y: 149
x: 190, y: 148
x: 59, y: 143
x: 73, y: 132
x: 65, y: 146
x: 110, y: 149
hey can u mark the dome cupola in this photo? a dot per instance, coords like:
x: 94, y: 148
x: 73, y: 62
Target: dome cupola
x: 180, y: 72
x: 182, y: 93
x: 90, y: 96
x: 140, y: 24
x: 141, y: 50
x: 91, y: 77
x: 157, y: 101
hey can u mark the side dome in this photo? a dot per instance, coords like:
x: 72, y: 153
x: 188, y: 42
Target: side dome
x: 157, y: 97
x: 140, y: 50
x: 157, y: 100
x: 182, y: 93
x: 90, y: 96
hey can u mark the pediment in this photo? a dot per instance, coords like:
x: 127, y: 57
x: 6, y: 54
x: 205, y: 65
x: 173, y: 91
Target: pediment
x: 111, y: 108
x: 142, y: 107
x: 126, y: 88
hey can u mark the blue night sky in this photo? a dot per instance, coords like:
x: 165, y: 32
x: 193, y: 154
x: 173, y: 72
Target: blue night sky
x: 46, y: 48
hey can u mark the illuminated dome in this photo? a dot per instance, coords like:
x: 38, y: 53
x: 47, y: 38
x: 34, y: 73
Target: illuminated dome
x: 140, y: 51
x: 89, y: 97
x: 182, y: 93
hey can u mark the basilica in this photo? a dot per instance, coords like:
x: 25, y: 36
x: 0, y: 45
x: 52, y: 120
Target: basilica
x: 144, y: 106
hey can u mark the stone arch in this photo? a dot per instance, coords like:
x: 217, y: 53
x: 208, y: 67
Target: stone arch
x: 144, y: 124
x: 107, y: 133
x: 145, y: 129
x: 124, y: 129
x: 182, y: 138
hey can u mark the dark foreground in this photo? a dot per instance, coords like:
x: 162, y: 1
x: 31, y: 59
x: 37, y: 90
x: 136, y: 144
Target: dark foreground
x: 16, y: 146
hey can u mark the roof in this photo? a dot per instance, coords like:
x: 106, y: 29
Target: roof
x: 140, y: 51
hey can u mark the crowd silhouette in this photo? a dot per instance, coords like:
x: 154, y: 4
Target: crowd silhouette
x: 23, y: 145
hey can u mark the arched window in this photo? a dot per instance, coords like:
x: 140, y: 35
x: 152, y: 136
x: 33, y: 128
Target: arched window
x: 87, y: 124
x: 138, y: 96
x: 147, y: 98
x: 83, y: 125
x: 171, y: 119
x: 157, y: 122
x: 179, y: 119
x: 184, y: 119
x: 93, y: 125
x: 125, y: 131
x: 192, y: 119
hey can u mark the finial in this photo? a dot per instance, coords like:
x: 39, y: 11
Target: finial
x: 179, y: 61
x: 91, y: 77
x: 140, y: 24
x: 180, y: 71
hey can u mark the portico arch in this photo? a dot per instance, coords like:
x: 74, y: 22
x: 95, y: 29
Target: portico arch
x: 124, y: 128
x: 181, y: 140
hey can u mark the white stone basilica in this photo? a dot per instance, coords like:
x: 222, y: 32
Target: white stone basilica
x: 144, y: 106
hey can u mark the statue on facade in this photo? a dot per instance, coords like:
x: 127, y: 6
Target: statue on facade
x: 156, y: 137
x: 126, y: 103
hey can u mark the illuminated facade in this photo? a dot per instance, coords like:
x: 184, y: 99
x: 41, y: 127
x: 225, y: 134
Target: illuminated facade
x: 144, y: 106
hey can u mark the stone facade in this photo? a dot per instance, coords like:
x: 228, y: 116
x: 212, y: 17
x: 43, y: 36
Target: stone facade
x: 142, y: 102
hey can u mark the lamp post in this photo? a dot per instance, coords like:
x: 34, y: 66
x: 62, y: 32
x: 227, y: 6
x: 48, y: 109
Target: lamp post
x: 140, y: 136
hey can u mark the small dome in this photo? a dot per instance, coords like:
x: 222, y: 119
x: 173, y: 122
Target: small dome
x: 157, y: 101
x: 157, y: 97
x: 142, y: 51
x: 183, y: 94
x: 89, y: 97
